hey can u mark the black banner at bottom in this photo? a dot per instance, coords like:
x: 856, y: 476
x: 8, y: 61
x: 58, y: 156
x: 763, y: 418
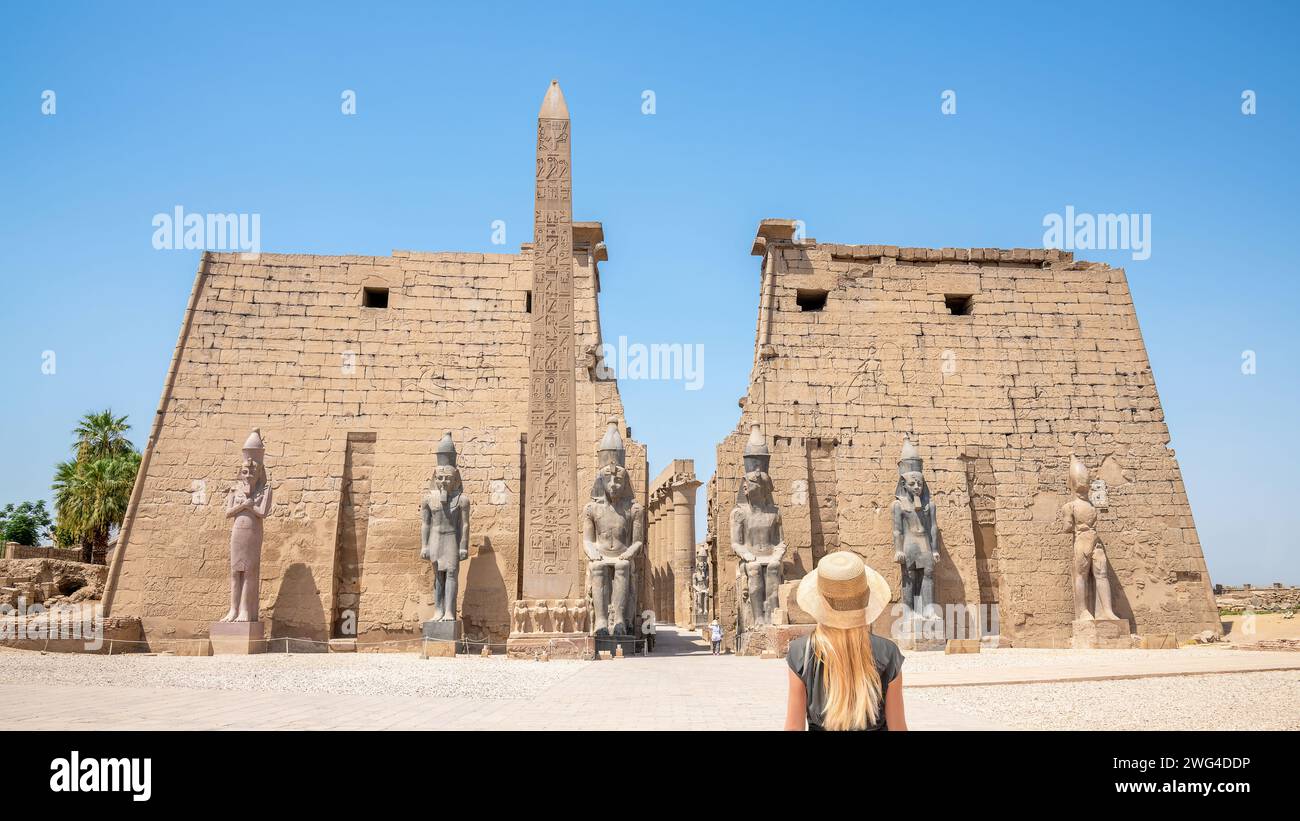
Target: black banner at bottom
x: 143, y: 771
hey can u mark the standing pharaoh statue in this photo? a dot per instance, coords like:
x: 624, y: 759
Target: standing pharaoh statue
x: 248, y: 503
x: 916, y: 546
x: 756, y: 535
x: 700, y: 583
x: 1090, y: 568
x: 612, y: 532
x: 444, y: 529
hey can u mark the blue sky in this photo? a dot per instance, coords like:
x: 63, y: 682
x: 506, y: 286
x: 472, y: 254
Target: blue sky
x: 826, y: 113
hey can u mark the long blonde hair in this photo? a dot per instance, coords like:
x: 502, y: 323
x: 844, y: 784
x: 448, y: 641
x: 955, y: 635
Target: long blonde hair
x: 849, y: 677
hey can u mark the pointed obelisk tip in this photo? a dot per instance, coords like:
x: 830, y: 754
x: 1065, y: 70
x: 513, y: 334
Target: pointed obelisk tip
x: 553, y: 106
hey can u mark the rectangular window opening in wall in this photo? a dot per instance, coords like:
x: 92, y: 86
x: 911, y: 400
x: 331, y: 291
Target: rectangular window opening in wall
x: 958, y: 304
x: 528, y: 302
x: 809, y: 299
x: 374, y: 297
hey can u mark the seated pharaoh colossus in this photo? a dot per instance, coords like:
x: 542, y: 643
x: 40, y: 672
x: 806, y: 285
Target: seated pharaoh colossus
x: 756, y: 535
x: 612, y: 533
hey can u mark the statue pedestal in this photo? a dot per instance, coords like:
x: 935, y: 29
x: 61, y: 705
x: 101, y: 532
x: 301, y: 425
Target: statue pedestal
x: 236, y: 638
x: 1101, y: 634
x: 554, y: 645
x: 632, y: 645
x: 788, y: 602
x: 771, y: 638
x: 554, y: 628
x: 921, y: 634
x: 1158, y: 641
x: 920, y: 643
x: 961, y: 646
x: 441, y: 638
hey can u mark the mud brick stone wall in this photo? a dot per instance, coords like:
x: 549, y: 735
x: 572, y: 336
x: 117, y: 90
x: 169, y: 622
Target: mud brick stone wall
x: 1276, y: 597
x: 351, y: 401
x: 13, y: 550
x: 50, y: 580
x: 1000, y: 364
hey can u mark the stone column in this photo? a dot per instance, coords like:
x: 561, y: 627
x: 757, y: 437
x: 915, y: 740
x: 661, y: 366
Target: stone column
x: 670, y: 554
x: 672, y: 516
x: 683, y: 523
x: 661, y: 607
x: 665, y: 547
x: 666, y: 554
x: 652, y: 550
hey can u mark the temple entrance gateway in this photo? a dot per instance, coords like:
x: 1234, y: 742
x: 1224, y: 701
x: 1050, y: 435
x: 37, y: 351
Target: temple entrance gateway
x: 384, y: 427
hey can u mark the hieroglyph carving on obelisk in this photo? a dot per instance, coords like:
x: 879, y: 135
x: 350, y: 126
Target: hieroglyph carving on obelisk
x: 551, y: 567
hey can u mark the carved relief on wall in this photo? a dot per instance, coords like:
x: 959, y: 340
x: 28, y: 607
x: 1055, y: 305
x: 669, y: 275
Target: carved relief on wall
x: 550, y: 616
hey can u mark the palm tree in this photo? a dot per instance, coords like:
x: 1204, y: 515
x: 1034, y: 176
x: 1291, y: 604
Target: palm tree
x: 101, y: 435
x: 91, y: 492
x: 92, y: 498
x: 67, y: 505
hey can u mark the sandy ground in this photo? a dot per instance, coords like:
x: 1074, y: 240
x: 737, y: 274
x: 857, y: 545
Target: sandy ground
x: 1265, y: 626
x: 1028, y: 657
x: 397, y: 674
x: 1239, y: 701
x: 683, y: 687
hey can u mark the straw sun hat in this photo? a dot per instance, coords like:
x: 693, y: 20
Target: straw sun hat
x: 843, y: 592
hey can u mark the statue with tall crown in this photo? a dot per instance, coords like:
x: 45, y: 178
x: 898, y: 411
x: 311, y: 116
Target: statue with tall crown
x: 916, y: 545
x: 700, y: 585
x: 444, y: 529
x: 1090, y: 568
x: 248, y: 503
x: 756, y: 535
x: 613, y: 529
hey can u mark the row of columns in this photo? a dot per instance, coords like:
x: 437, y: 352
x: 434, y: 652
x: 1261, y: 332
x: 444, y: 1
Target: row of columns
x: 670, y: 541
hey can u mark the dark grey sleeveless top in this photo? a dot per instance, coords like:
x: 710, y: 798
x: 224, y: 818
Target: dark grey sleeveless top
x: 889, y: 663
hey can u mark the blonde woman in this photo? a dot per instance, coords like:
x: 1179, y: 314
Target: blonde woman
x: 842, y: 677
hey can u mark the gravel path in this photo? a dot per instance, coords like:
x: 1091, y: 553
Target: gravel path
x: 403, y: 674
x: 1237, y: 701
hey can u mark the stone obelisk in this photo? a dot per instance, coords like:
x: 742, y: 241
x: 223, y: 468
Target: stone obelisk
x: 551, y: 525
x: 551, y: 565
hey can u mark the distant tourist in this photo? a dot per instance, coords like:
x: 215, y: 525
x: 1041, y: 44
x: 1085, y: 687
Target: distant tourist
x: 648, y: 630
x: 843, y: 677
x: 715, y: 636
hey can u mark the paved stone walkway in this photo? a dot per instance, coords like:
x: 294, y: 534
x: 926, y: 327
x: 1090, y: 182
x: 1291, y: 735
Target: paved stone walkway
x: 680, y: 687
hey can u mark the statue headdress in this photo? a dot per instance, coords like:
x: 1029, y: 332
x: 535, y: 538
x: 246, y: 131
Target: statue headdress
x: 909, y: 461
x: 446, y: 451
x: 610, y: 451
x: 253, y: 447
x: 1078, y: 473
x: 255, y: 450
x: 611, y: 455
x: 756, y: 456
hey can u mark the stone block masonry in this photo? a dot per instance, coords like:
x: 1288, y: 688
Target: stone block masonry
x: 351, y: 401
x: 1000, y: 364
x: 353, y: 367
